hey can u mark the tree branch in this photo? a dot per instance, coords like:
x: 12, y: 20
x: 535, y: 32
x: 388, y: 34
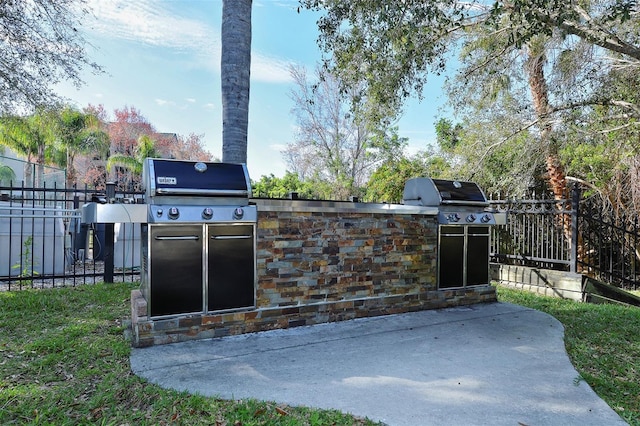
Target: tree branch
x: 598, y: 36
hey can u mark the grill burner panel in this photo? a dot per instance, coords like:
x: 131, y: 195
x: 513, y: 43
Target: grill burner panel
x: 185, y: 213
x: 462, y: 217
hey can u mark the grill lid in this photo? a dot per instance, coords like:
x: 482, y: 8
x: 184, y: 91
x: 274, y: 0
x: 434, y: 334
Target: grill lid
x: 437, y: 192
x: 164, y: 177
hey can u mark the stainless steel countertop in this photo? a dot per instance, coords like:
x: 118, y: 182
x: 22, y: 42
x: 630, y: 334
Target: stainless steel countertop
x: 272, y: 205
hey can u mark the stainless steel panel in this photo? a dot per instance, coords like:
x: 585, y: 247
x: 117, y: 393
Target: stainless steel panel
x: 271, y: 205
x: 159, y: 213
x: 114, y: 213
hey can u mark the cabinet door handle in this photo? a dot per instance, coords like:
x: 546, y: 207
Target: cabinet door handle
x: 178, y: 237
x: 231, y: 237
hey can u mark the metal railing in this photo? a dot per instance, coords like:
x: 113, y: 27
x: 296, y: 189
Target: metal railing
x: 44, y: 244
x: 535, y: 234
x: 609, y: 244
x: 575, y: 234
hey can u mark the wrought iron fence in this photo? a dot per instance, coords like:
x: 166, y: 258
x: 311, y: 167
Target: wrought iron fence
x: 576, y: 234
x: 609, y: 244
x: 44, y: 244
x: 535, y: 234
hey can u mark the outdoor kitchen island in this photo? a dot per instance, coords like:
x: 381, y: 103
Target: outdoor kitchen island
x: 318, y: 262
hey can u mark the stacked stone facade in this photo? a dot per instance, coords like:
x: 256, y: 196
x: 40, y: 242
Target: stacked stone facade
x: 318, y: 265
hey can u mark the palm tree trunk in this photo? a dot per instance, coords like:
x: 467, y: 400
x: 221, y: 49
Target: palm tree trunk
x: 539, y: 93
x: 235, y: 76
x: 71, y: 169
x: 555, y: 171
x: 40, y: 168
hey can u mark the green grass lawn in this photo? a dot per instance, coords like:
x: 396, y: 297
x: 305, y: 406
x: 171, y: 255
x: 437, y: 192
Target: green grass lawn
x: 64, y: 360
x: 603, y: 343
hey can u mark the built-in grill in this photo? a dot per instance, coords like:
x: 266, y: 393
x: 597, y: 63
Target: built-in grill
x: 198, y: 243
x: 464, y: 228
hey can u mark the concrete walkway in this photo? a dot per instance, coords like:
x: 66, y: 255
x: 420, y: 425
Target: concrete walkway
x: 487, y: 364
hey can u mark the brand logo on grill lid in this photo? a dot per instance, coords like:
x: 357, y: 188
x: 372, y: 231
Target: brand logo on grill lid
x: 166, y: 180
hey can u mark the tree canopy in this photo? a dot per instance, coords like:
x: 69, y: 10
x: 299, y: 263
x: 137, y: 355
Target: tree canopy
x: 40, y: 45
x: 393, y: 46
x: 534, y: 80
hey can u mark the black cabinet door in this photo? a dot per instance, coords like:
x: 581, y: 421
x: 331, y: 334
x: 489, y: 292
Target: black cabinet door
x: 478, y: 255
x: 175, y: 258
x: 451, y: 257
x: 463, y: 257
x: 232, y: 268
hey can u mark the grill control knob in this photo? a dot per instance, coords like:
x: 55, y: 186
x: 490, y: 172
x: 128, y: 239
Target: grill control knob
x: 471, y: 218
x: 174, y: 213
x: 207, y: 213
x: 159, y: 212
x: 238, y: 213
x: 454, y: 217
x: 486, y: 218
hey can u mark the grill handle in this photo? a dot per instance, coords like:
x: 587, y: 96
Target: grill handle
x: 231, y: 237
x: 177, y: 237
x: 203, y: 192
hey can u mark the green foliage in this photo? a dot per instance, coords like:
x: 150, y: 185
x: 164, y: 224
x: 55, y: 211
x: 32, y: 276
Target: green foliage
x: 53, y: 136
x: 387, y: 182
x: 7, y: 174
x: 24, y: 264
x: 78, y: 133
x: 275, y: 187
x: 448, y: 134
x: 42, y: 45
x: 586, y: 86
x: 336, y: 148
x: 144, y: 149
x: 390, y: 48
x: 32, y: 135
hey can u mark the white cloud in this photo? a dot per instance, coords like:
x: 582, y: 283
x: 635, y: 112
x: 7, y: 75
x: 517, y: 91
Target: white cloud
x: 157, y: 23
x: 163, y: 102
x: 151, y: 22
x: 269, y: 70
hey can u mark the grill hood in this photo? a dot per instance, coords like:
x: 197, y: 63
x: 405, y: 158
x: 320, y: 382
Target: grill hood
x: 191, y: 181
x: 439, y: 192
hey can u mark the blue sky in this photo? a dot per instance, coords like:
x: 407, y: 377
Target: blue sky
x: 163, y: 58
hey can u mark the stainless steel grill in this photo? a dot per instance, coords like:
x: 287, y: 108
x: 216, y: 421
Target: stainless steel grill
x: 198, y: 250
x: 458, y: 202
x: 464, y: 228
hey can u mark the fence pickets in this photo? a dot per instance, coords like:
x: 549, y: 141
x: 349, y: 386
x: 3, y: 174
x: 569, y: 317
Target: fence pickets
x: 44, y: 244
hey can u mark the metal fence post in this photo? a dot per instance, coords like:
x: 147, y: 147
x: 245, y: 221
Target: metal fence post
x: 575, y: 212
x: 108, y: 237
